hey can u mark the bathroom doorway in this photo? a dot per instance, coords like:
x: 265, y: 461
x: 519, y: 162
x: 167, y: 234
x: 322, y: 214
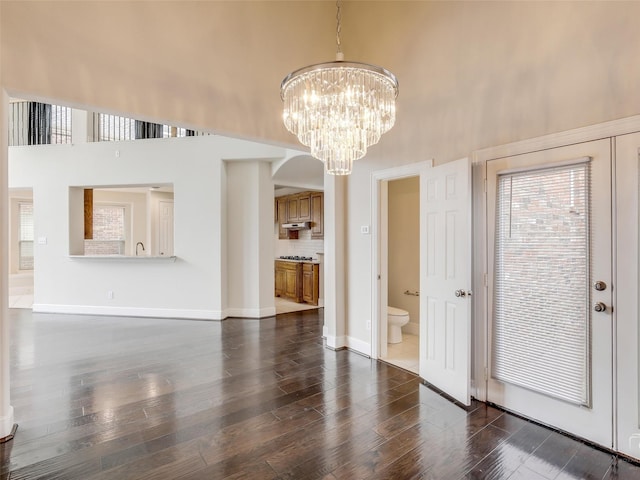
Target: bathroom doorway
x: 396, y: 256
x: 403, y: 272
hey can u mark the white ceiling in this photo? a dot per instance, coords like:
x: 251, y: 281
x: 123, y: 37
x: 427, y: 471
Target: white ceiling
x: 303, y: 172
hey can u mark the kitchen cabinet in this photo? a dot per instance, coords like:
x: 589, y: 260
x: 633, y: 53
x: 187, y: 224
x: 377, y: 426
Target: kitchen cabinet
x: 299, y: 207
x: 317, y: 214
x: 288, y: 280
x: 310, y: 283
x: 281, y: 217
x: 298, y: 281
x: 304, y: 207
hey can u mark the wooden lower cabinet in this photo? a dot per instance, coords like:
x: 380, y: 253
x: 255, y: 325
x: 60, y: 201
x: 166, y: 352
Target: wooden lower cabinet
x: 297, y: 281
x: 310, y: 282
x: 288, y: 280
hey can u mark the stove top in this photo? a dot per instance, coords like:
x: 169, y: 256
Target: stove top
x: 305, y: 259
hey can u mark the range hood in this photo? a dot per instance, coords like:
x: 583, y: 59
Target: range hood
x: 297, y: 226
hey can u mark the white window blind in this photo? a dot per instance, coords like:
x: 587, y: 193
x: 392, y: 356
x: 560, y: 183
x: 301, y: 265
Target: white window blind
x: 541, y: 315
x: 25, y: 242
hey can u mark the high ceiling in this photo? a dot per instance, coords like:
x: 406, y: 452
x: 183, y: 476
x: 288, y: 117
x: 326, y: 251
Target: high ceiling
x: 472, y: 74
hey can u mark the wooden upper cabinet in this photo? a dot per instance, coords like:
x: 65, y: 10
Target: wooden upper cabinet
x: 281, y: 214
x: 317, y: 214
x: 293, y: 214
x: 300, y: 207
x: 304, y: 207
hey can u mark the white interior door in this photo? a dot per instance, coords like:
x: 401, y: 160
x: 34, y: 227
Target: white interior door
x: 549, y: 240
x: 165, y: 232
x: 445, y: 256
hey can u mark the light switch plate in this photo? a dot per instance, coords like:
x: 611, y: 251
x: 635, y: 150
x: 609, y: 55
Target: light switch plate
x: 364, y: 229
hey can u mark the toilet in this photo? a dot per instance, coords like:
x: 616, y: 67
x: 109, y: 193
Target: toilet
x: 396, y: 318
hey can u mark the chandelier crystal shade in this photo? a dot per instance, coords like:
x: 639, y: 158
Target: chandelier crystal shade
x: 338, y: 109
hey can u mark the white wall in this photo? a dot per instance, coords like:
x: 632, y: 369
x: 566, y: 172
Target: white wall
x: 250, y: 239
x: 194, y: 285
x: 404, y: 248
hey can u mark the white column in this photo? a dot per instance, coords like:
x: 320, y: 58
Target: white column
x: 6, y: 410
x: 335, y: 204
x: 250, y: 239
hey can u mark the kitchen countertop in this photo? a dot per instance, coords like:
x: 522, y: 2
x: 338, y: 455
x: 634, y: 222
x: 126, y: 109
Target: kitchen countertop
x: 297, y: 261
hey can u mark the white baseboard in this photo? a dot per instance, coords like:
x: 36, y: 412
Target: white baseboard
x: 130, y: 311
x: 351, y: 343
x: 251, y: 312
x: 335, y: 342
x: 359, y: 346
x: 6, y: 423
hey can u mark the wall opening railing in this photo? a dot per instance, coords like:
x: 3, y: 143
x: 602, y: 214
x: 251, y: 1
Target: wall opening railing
x: 35, y: 123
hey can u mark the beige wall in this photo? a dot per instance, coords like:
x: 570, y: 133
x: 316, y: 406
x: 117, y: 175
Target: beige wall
x: 472, y: 74
x: 404, y: 247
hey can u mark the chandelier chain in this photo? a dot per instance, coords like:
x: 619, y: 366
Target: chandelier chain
x: 338, y: 25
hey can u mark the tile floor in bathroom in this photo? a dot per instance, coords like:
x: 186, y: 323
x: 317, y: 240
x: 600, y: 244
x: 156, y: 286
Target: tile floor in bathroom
x: 404, y: 354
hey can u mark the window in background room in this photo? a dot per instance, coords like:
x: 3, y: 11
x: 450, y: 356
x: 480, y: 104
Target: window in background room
x: 108, y: 231
x: 110, y: 128
x: 25, y: 246
x: 35, y: 123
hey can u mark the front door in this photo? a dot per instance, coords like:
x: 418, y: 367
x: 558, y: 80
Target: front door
x: 550, y: 287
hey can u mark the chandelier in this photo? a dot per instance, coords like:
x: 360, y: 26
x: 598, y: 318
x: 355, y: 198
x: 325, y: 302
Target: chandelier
x: 338, y: 109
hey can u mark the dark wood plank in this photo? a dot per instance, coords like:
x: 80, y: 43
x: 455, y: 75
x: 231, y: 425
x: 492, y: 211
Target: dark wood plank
x: 100, y: 398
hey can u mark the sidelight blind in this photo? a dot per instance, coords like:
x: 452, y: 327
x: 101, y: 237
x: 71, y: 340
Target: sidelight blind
x: 541, y: 315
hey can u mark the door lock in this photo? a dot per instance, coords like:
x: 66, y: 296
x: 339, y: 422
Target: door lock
x: 600, y: 285
x: 462, y: 293
x: 600, y: 307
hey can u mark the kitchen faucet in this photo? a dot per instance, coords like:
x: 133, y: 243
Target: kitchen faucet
x: 142, y: 245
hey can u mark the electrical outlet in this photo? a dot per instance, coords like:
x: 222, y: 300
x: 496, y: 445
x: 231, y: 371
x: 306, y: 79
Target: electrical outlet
x: 110, y: 294
x: 368, y: 324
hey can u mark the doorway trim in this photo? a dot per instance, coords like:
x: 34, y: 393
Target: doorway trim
x: 379, y: 203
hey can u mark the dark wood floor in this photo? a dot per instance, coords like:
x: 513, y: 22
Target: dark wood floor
x: 132, y: 398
